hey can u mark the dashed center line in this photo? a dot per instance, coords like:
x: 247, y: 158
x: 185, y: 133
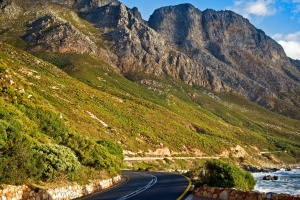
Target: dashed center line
x: 150, y: 184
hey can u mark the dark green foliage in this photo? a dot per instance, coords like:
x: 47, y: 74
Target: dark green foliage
x: 24, y: 158
x: 14, y: 151
x: 222, y: 174
x: 52, y: 158
x: 96, y: 155
x: 113, y: 148
x: 3, y: 135
x: 49, y: 123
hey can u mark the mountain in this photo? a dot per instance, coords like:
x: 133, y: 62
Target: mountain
x: 186, y: 82
x: 221, y: 50
x: 237, y: 56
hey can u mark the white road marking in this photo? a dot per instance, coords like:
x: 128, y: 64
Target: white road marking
x: 149, y: 185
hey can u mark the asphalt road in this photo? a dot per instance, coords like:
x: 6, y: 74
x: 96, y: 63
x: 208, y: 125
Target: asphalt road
x: 146, y: 186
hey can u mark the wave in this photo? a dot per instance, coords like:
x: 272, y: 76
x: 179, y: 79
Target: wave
x: 289, y: 182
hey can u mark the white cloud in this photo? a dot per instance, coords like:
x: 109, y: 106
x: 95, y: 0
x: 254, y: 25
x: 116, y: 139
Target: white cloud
x: 277, y: 36
x: 290, y: 44
x: 291, y: 48
x: 258, y: 8
x: 293, y: 36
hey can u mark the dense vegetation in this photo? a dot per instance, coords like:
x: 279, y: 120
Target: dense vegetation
x: 37, y: 144
x: 221, y: 174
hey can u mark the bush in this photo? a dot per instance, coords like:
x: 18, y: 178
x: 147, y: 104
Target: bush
x: 49, y: 159
x: 3, y: 135
x: 24, y: 157
x: 112, y: 147
x: 222, y: 174
x: 14, y: 151
x: 95, y: 155
x: 49, y: 123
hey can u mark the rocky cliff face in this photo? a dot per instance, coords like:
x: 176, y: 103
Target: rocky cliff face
x: 296, y: 63
x: 53, y: 34
x: 237, y: 56
x: 141, y: 49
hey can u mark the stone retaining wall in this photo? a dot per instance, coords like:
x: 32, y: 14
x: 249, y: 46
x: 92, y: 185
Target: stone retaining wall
x: 234, y: 194
x: 61, y: 193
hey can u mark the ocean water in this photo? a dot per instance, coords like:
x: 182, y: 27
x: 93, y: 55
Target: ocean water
x: 289, y: 182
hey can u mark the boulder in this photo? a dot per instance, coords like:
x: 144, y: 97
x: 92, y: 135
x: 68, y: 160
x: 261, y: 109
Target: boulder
x: 268, y: 178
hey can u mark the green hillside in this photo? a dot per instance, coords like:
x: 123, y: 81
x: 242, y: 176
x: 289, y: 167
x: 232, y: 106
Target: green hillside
x: 38, y: 140
x: 75, y: 115
x: 42, y: 106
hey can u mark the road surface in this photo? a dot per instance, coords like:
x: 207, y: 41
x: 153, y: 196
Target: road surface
x: 147, y: 186
x: 129, y: 159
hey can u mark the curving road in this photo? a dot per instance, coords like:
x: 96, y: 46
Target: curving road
x: 147, y: 186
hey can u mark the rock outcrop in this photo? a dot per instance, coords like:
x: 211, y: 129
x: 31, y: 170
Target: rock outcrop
x: 237, y: 56
x: 53, y: 34
x: 296, y: 63
x: 141, y: 49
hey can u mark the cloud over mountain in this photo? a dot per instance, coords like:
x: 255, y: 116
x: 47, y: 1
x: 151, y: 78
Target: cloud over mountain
x: 290, y: 43
x: 258, y: 8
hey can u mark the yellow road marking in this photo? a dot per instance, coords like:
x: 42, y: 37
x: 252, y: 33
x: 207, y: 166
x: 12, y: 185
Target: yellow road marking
x: 186, y: 190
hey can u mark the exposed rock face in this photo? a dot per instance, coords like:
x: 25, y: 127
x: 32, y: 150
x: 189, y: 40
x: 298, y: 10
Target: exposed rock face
x: 237, y: 56
x: 296, y: 63
x: 52, y: 34
x: 141, y: 49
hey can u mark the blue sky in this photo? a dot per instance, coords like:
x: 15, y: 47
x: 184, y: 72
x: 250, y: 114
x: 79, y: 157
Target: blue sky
x: 279, y: 19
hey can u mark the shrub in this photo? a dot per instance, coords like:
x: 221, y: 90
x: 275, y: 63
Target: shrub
x: 112, y: 148
x: 95, y: 155
x: 3, y: 135
x: 49, y: 159
x: 14, y: 151
x: 222, y: 174
x: 49, y: 123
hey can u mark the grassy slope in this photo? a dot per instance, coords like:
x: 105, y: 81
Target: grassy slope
x: 177, y: 116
